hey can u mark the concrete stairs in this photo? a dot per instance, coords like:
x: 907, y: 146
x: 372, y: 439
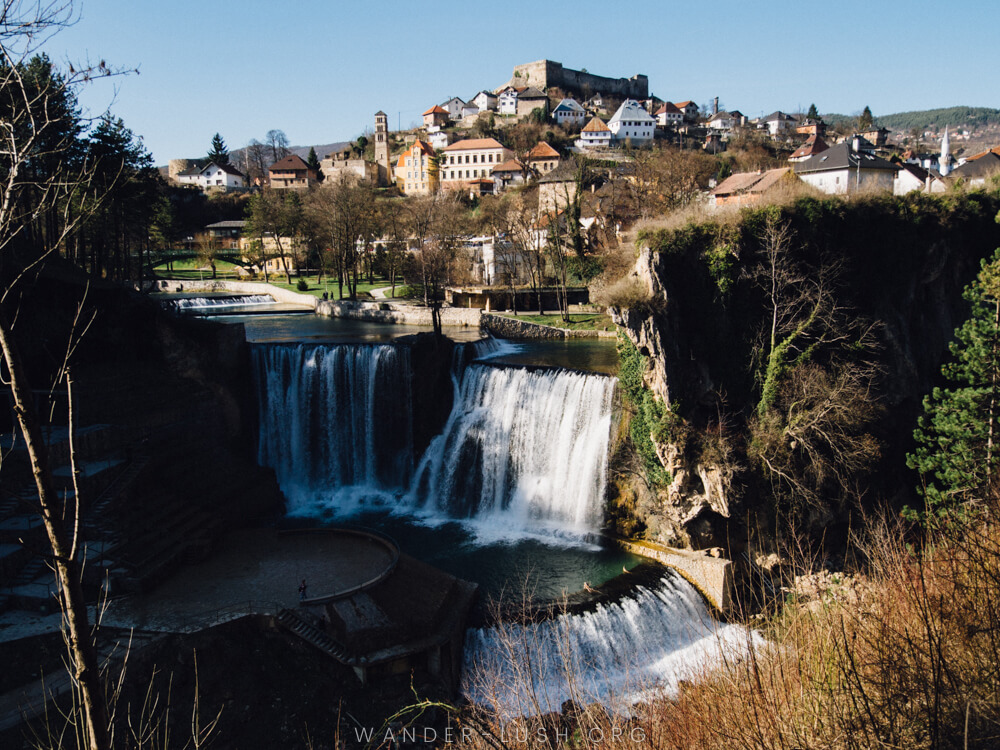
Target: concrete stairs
x: 314, y: 636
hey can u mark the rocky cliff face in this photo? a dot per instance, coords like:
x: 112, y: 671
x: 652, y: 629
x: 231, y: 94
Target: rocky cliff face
x: 904, y: 276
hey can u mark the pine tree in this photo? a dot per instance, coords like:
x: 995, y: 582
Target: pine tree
x: 813, y: 113
x: 956, y: 437
x: 312, y: 161
x: 218, y: 153
x: 867, y: 119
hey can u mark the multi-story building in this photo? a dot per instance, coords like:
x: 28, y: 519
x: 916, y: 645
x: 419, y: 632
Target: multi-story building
x: 633, y: 123
x: 416, y: 170
x: 291, y: 173
x: 595, y: 134
x: 471, y: 159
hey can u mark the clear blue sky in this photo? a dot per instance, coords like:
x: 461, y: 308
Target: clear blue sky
x: 320, y: 69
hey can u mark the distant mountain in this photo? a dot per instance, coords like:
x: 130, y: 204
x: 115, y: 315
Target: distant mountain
x: 971, y: 118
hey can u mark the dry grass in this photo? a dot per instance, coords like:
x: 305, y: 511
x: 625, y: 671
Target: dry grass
x: 905, y: 656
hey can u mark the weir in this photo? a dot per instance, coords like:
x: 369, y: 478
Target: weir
x: 187, y: 304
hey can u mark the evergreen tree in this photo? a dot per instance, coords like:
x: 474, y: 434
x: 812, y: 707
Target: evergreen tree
x: 867, y: 119
x: 218, y: 153
x: 956, y: 437
x: 312, y: 161
x: 813, y: 113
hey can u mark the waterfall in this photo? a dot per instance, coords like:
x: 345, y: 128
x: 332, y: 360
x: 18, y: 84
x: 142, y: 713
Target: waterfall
x: 333, y: 418
x: 201, y: 303
x: 522, y: 450
x: 619, y: 653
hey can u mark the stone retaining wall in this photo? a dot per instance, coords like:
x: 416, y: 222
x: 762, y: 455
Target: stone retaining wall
x: 712, y: 576
x: 387, y: 312
x: 506, y: 327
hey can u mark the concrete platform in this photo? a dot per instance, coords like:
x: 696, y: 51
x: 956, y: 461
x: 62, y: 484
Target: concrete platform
x: 253, y: 571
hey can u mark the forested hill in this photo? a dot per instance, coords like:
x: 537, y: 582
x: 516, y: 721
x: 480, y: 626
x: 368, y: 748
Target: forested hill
x: 967, y: 117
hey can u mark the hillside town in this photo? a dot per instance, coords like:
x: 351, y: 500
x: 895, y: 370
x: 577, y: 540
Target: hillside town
x: 561, y: 140
x: 566, y: 415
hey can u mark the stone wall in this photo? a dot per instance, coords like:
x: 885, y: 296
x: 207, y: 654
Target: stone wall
x: 546, y: 73
x: 505, y: 327
x: 712, y: 576
x: 387, y: 312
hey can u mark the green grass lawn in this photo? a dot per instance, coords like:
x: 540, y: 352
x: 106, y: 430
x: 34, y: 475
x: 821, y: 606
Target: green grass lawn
x: 578, y: 321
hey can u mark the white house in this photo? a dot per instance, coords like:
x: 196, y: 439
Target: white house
x: 212, y: 177
x: 595, y: 134
x: 843, y: 169
x: 569, y: 112
x: 454, y: 106
x: 911, y: 177
x: 633, y: 123
x: 485, y: 101
x: 777, y: 123
x: 439, y: 140
x: 507, y: 101
x: 668, y: 115
x: 722, y: 121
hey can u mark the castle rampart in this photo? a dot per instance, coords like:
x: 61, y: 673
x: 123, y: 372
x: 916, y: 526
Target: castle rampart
x: 545, y: 74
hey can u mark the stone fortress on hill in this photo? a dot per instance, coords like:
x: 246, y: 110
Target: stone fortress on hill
x: 544, y: 74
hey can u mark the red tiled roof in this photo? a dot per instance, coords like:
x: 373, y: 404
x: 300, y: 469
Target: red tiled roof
x: 437, y: 109
x: 682, y: 105
x: 418, y: 145
x: 474, y: 143
x: 995, y: 151
x: 813, y: 145
x: 543, y: 151
x: 668, y: 109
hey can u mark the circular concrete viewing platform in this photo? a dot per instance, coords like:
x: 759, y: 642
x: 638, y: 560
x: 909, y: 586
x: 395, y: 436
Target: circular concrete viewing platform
x: 259, y: 571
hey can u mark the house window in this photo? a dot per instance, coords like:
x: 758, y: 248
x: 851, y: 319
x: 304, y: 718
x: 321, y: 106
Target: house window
x: 475, y: 158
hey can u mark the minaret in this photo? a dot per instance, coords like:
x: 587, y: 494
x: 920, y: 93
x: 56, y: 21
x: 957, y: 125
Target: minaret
x: 382, y: 148
x: 944, y: 162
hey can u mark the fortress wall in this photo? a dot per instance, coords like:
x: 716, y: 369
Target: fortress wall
x: 547, y: 73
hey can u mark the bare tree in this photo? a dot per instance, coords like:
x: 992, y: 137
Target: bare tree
x: 277, y: 142
x: 345, y: 218
x: 255, y: 162
x: 40, y: 211
x: 816, y: 379
x: 435, y: 224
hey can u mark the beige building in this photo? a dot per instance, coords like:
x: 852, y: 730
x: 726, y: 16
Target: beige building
x: 471, y: 159
x: 340, y: 163
x: 416, y: 170
x: 543, y: 158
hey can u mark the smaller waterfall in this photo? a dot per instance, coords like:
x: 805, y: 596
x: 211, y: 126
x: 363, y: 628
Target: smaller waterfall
x: 619, y: 653
x: 334, y: 417
x: 202, y: 303
x: 523, y: 450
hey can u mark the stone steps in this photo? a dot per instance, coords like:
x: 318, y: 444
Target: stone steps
x: 313, y: 635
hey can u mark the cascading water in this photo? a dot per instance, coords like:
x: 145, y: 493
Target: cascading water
x: 202, y: 303
x: 523, y: 449
x: 618, y: 654
x: 334, y: 417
